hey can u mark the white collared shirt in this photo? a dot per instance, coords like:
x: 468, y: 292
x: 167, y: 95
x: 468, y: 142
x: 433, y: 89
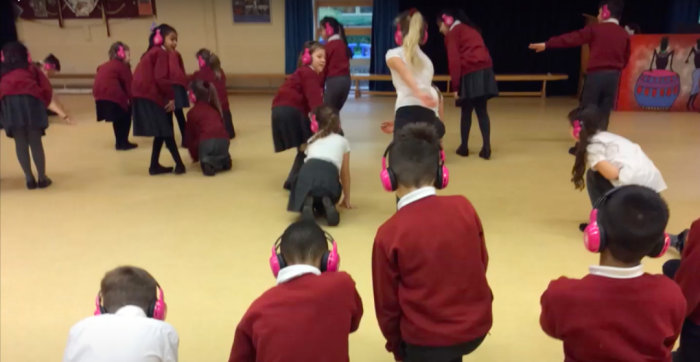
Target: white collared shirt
x: 612, y: 20
x: 457, y: 22
x: 294, y: 271
x: 416, y: 195
x: 334, y: 37
x: 125, y: 336
x: 616, y: 273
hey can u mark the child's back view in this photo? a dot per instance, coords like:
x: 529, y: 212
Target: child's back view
x: 432, y: 299
x: 311, y: 312
x: 128, y: 324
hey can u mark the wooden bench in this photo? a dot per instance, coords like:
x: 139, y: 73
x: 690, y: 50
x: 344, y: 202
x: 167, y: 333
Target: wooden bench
x: 446, y: 78
x: 357, y: 78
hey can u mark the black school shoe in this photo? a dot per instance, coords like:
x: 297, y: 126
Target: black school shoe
x: 332, y: 215
x: 180, y: 169
x: 159, y: 170
x: 42, y: 184
x: 307, y: 210
x: 463, y: 150
x: 31, y: 184
x: 126, y: 147
x: 485, y: 153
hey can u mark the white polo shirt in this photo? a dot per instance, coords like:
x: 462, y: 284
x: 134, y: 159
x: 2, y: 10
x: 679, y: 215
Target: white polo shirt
x: 125, y: 336
x: 423, y: 76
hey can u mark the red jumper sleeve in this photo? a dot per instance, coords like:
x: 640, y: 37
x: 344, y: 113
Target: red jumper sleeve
x: 126, y: 77
x: 357, y: 311
x: 453, y: 59
x: 45, y: 84
x: 243, y: 349
x: 570, y: 40
x: 484, y: 252
x: 547, y: 315
x: 161, y: 73
x: 312, y: 89
x: 688, y: 275
x: 385, y: 280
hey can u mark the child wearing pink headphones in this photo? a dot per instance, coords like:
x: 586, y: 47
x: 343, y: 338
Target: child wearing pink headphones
x: 128, y: 323
x: 336, y: 74
x: 300, y: 94
x: 210, y: 71
x: 309, y: 315
x: 429, y: 260
x: 206, y: 136
x: 609, y: 54
x: 325, y: 175
x: 112, y: 92
x: 618, y: 312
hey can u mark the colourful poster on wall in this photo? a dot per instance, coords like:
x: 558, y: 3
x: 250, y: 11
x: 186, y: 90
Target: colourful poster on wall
x: 663, y: 74
x: 77, y: 9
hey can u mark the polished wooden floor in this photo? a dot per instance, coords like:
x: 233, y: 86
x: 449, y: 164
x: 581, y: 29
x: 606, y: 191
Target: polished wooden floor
x: 207, y: 240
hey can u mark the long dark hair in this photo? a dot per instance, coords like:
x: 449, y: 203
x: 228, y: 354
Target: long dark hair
x: 16, y: 56
x: 313, y: 46
x: 212, y: 61
x: 328, y: 120
x: 339, y: 29
x: 165, y: 29
x: 206, y: 92
x: 457, y: 14
x: 591, y: 121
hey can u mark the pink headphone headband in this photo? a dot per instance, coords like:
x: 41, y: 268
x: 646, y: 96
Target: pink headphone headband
x: 157, y: 310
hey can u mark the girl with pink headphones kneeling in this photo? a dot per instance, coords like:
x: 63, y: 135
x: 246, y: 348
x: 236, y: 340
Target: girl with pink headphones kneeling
x: 325, y: 175
x: 309, y: 315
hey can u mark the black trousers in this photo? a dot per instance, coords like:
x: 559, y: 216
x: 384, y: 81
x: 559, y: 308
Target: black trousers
x: 689, y: 350
x: 122, y: 128
x: 597, y: 185
x: 477, y: 105
x: 440, y: 354
x: 600, y: 89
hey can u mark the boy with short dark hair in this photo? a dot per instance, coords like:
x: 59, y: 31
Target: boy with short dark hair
x: 686, y: 272
x: 128, y: 324
x: 618, y: 312
x: 309, y: 315
x: 432, y: 299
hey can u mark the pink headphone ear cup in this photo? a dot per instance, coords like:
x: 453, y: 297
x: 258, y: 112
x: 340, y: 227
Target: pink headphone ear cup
x: 592, y: 234
x: 2, y: 57
x: 157, y: 39
x: 98, y: 305
x: 193, y: 98
x: 306, y: 58
x: 605, y: 14
x: 445, y: 177
x: 314, y: 124
x: 275, y: 262
x: 333, y: 262
x: 664, y: 249
x: 398, y: 37
x: 201, y: 61
x: 425, y: 36
x: 29, y: 57
x: 329, y: 30
x: 385, y: 177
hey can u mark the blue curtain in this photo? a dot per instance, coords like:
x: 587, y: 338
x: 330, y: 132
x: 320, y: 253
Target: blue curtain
x: 683, y: 14
x: 298, y: 28
x: 383, y: 14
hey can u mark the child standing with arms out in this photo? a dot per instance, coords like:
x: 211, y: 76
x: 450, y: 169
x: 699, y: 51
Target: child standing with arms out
x: 611, y: 160
x: 25, y: 92
x: 153, y: 99
x: 210, y: 71
x: 336, y: 74
x: 176, y: 73
x: 412, y: 74
x: 206, y: 136
x: 319, y: 185
x: 617, y: 312
x: 686, y: 272
x: 300, y: 94
x: 112, y: 92
x: 429, y: 261
x: 609, y: 54
x: 128, y: 325
x: 310, y: 314
x: 471, y: 70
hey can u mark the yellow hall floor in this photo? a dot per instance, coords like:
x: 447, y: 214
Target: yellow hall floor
x: 207, y: 240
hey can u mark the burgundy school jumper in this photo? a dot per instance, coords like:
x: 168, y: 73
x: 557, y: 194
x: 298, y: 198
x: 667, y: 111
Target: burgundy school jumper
x: 300, y: 94
x: 151, y: 89
x: 24, y: 96
x: 336, y: 74
x: 429, y: 266
x: 204, y: 123
x: 307, y: 319
x: 606, y: 319
x: 206, y: 74
x: 112, y: 84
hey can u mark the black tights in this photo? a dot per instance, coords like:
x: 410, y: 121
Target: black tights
x: 180, y: 116
x: 296, y: 167
x: 122, y: 128
x: 172, y: 147
x: 482, y: 114
x: 24, y: 140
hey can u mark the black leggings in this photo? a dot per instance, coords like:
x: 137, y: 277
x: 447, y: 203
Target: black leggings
x: 172, y: 147
x: 482, y: 114
x: 180, y: 116
x: 122, y: 128
x: 24, y: 140
x: 296, y: 167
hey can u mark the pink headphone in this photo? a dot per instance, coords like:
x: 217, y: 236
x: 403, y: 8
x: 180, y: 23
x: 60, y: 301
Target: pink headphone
x: 2, y: 57
x: 594, y: 236
x: 329, y: 29
x: 605, y: 14
x: 157, y: 310
x: 201, y: 61
x: 192, y: 97
x: 330, y: 262
x: 577, y: 128
x: 398, y: 37
x: 314, y: 124
x: 390, y: 183
x: 121, y: 53
x: 448, y: 20
x: 157, y: 39
x: 306, y: 58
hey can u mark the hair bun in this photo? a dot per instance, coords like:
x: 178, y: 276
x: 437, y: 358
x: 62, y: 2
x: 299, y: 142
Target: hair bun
x: 419, y: 131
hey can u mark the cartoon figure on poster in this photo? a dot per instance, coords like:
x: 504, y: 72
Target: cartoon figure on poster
x: 696, y: 76
x: 658, y: 89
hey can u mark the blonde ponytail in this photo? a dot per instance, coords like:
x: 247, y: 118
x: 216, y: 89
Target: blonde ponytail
x: 412, y: 40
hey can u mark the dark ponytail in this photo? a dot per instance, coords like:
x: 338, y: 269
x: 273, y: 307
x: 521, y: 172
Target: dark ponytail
x: 206, y: 92
x: 339, y: 29
x: 591, y: 121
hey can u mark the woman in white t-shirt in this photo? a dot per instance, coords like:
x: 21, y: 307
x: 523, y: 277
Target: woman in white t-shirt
x: 412, y: 74
x: 325, y: 175
x: 612, y: 160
